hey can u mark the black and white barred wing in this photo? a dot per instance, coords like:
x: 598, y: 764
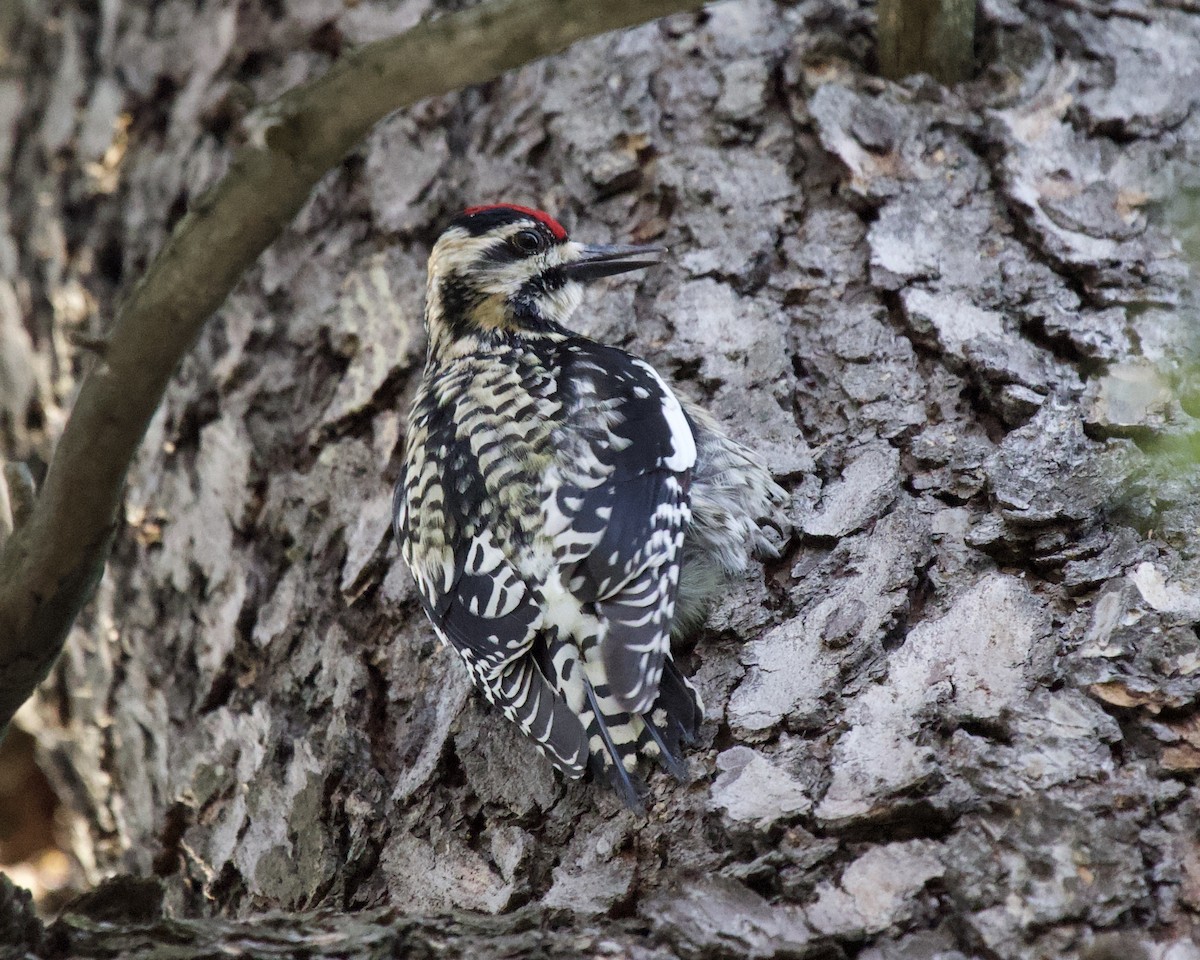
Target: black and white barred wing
x: 479, y: 604
x: 618, y: 509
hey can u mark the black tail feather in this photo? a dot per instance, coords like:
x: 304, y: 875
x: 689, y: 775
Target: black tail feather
x: 682, y: 706
x: 618, y: 776
x: 674, y: 763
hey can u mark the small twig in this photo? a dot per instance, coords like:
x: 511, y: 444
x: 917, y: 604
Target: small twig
x: 936, y: 37
x: 6, y: 518
x: 88, y: 342
x: 17, y: 495
x: 22, y: 493
x: 49, y: 566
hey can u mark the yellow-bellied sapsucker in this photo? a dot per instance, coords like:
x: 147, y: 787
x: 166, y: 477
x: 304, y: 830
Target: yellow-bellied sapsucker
x: 560, y: 509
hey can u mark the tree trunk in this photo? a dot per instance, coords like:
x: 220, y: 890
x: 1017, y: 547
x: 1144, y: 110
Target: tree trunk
x: 958, y: 719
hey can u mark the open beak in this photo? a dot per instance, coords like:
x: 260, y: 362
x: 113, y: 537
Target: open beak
x: 608, y: 260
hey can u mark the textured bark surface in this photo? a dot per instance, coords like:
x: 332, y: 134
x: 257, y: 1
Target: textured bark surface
x: 960, y: 719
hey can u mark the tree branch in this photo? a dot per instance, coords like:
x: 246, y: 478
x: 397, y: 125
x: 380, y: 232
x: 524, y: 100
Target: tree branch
x: 50, y: 565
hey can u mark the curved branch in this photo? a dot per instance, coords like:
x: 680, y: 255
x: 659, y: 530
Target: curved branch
x: 50, y: 566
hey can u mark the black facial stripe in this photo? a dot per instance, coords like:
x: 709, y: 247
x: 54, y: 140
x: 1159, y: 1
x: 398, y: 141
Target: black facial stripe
x: 502, y: 252
x: 458, y: 302
x: 527, y: 311
x: 548, y: 281
x: 507, y: 250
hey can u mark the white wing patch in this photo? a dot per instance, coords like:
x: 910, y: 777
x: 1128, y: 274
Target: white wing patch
x: 683, y: 444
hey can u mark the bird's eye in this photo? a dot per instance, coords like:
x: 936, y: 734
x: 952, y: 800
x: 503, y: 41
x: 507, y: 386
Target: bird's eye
x: 527, y: 241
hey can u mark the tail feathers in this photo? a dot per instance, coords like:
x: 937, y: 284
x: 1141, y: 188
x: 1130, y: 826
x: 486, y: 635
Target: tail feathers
x: 526, y: 698
x: 620, y: 740
x: 675, y: 765
x: 680, y: 705
x: 618, y: 777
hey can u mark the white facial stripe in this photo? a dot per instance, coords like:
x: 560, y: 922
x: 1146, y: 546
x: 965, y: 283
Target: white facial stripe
x: 458, y: 252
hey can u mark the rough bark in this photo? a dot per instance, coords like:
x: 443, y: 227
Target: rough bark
x: 959, y: 719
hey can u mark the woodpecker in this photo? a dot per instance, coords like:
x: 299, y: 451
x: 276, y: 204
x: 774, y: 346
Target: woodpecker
x: 561, y: 510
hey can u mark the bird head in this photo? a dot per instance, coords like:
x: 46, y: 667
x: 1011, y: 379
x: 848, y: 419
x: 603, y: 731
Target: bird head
x: 507, y: 271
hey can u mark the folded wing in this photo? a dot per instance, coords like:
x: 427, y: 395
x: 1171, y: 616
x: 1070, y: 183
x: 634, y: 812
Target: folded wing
x: 620, y: 509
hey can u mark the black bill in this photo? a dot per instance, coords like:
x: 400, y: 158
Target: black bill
x: 608, y: 260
